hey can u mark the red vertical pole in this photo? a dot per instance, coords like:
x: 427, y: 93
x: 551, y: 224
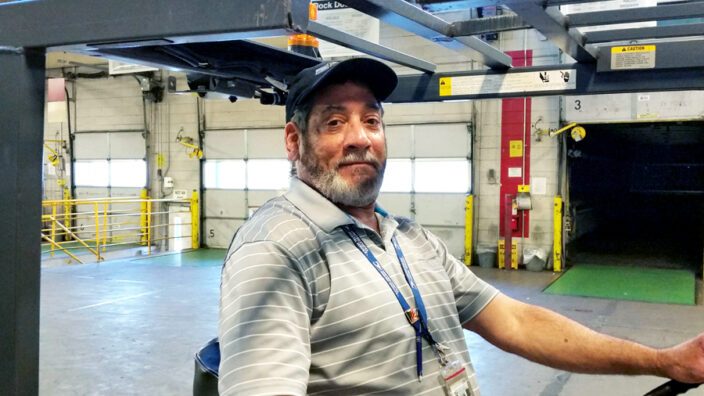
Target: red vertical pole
x: 508, y: 245
x: 515, y: 169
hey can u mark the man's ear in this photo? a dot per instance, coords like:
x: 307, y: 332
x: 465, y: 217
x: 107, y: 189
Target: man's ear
x: 292, y: 139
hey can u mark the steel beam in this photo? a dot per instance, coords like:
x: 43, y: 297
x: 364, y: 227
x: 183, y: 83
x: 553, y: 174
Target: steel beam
x: 551, y: 23
x: 552, y: 3
x: 641, y: 14
x: 21, y: 137
x: 145, y: 22
x: 405, y: 16
x: 654, y: 32
x: 425, y: 88
x: 345, y: 39
x: 445, y: 5
x: 487, y: 25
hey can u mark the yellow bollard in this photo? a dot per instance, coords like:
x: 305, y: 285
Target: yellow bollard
x: 468, y: 218
x: 502, y: 252
x: 143, y: 217
x: 557, y: 236
x: 195, y: 241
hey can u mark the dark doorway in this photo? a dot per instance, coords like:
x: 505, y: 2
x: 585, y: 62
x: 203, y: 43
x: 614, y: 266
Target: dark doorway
x: 636, y: 194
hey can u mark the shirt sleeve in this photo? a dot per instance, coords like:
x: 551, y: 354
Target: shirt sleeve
x: 264, y: 327
x: 471, y: 293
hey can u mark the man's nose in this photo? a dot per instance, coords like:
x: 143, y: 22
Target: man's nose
x: 357, y: 137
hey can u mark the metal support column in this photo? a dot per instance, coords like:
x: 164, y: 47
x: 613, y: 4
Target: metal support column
x: 21, y: 136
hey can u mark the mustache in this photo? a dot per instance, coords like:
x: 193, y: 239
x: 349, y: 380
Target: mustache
x: 359, y: 157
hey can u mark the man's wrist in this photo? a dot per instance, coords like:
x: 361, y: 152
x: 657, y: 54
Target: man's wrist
x: 663, y: 363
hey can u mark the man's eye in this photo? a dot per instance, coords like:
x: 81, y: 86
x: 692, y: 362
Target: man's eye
x: 373, y: 121
x: 333, y: 123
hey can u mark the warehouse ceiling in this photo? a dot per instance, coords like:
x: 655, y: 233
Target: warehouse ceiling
x: 214, y: 40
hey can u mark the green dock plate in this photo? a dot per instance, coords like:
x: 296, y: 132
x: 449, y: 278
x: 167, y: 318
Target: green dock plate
x: 192, y: 258
x: 667, y: 286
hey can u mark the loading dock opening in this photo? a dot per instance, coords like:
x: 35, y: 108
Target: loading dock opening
x: 636, y: 195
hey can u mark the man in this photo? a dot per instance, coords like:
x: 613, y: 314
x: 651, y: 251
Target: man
x: 323, y: 292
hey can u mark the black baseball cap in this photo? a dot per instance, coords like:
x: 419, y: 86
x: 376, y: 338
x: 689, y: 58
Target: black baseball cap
x: 377, y: 76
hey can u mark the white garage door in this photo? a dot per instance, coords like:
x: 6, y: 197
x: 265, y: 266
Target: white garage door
x: 109, y: 164
x: 427, y: 177
x: 243, y: 169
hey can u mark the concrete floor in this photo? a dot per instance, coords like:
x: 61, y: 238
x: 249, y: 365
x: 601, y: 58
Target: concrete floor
x: 128, y: 327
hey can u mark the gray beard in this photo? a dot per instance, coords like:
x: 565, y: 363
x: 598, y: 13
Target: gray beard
x: 334, y: 187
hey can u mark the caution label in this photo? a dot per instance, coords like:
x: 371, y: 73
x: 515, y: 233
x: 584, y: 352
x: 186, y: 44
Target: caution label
x: 446, y: 86
x: 633, y: 57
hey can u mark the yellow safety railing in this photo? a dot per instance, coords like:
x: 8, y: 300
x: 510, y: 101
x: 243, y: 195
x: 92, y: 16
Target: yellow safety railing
x: 94, y: 225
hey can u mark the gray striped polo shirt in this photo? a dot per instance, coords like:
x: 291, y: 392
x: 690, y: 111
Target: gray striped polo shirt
x: 302, y: 311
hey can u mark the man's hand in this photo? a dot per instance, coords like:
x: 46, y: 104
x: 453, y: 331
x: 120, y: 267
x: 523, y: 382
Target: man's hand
x: 684, y: 362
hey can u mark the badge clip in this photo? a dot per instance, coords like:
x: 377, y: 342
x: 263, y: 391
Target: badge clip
x: 412, y: 315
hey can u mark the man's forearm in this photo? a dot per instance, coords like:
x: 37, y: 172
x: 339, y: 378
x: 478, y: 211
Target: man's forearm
x: 549, y: 338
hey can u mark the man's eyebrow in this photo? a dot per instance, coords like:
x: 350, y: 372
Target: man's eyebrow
x: 331, y: 108
x: 338, y: 107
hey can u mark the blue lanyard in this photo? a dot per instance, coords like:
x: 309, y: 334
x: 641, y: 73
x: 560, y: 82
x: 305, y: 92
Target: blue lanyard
x: 417, y: 318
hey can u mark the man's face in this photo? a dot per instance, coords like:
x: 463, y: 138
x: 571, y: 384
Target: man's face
x: 343, y: 153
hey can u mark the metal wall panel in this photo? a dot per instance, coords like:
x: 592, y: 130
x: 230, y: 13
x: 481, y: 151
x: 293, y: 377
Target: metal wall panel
x: 224, y: 203
x: 259, y: 197
x: 92, y: 192
x: 399, y: 139
x: 453, y: 239
x: 85, y: 219
x: 88, y: 146
x: 123, y: 225
x: 652, y: 106
x: 126, y: 224
x: 217, y: 233
x: 224, y: 144
x: 440, y: 209
x: 670, y: 105
x: 596, y: 108
x: 116, y: 226
x: 103, y: 192
x: 441, y: 140
x: 127, y: 145
x: 125, y: 192
x: 266, y: 143
x: 398, y: 204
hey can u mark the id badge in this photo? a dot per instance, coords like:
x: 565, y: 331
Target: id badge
x: 455, y: 380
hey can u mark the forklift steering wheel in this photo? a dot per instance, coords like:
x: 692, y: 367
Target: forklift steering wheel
x: 671, y: 388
